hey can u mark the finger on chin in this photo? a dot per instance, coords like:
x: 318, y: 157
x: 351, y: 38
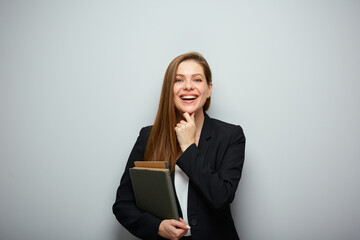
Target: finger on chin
x: 188, y: 117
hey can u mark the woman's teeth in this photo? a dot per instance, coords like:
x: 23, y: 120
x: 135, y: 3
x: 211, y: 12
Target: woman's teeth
x: 188, y: 97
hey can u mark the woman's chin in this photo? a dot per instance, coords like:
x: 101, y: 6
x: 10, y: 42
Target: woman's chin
x: 189, y: 111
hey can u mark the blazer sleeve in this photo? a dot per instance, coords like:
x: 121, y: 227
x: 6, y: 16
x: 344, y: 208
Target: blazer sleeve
x: 141, y: 224
x: 218, y: 186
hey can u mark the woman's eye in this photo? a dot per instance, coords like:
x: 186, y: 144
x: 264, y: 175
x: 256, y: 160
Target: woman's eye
x: 197, y: 80
x: 178, y: 80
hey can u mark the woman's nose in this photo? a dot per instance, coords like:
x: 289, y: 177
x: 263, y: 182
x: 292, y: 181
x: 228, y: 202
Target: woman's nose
x: 188, y: 85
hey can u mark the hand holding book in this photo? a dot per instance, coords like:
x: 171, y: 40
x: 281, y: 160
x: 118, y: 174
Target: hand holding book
x: 173, y: 229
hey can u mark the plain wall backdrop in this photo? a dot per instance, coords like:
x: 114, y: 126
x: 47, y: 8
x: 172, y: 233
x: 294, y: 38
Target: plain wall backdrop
x: 78, y: 79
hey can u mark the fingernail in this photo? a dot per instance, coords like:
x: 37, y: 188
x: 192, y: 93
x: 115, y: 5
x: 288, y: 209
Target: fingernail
x: 188, y: 227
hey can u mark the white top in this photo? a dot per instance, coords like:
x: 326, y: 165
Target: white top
x: 181, y: 182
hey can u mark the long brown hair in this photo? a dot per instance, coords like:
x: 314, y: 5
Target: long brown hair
x: 162, y: 144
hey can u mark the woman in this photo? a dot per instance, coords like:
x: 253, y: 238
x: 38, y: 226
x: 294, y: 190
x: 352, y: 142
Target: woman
x: 205, y: 156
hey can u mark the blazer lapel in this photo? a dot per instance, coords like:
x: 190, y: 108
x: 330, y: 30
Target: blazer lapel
x: 204, y: 142
x: 205, y: 134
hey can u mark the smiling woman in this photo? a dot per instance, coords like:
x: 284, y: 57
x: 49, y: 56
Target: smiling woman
x: 205, y: 156
x: 181, y: 76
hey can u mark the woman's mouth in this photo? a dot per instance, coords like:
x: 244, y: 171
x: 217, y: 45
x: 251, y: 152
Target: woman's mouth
x: 188, y: 97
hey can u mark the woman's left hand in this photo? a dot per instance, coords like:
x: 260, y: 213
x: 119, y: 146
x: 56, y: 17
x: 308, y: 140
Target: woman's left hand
x: 185, y: 131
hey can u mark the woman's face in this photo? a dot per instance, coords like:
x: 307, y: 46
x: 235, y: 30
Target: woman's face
x: 190, y: 88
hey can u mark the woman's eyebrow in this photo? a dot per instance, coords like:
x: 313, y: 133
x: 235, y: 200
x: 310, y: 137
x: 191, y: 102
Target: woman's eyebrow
x: 196, y: 74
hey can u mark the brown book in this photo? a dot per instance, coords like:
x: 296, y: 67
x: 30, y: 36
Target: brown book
x: 151, y: 164
x: 153, y: 189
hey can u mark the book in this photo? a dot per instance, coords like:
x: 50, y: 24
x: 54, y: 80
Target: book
x: 153, y: 189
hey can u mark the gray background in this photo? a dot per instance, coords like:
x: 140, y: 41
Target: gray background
x: 80, y: 78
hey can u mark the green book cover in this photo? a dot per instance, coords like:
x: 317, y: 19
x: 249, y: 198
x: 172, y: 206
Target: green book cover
x: 154, y: 192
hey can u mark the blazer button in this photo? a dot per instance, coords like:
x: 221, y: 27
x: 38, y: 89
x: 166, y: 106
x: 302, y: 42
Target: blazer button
x: 193, y: 222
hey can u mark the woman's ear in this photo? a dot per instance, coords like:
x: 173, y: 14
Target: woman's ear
x: 210, y: 89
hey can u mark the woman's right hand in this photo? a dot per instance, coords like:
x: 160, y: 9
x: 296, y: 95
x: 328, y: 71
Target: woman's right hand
x: 186, y: 131
x: 173, y: 229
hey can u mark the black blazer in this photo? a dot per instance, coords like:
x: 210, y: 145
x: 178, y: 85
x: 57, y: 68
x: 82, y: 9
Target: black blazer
x: 214, y: 170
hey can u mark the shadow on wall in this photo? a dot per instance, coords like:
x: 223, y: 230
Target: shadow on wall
x: 120, y: 233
